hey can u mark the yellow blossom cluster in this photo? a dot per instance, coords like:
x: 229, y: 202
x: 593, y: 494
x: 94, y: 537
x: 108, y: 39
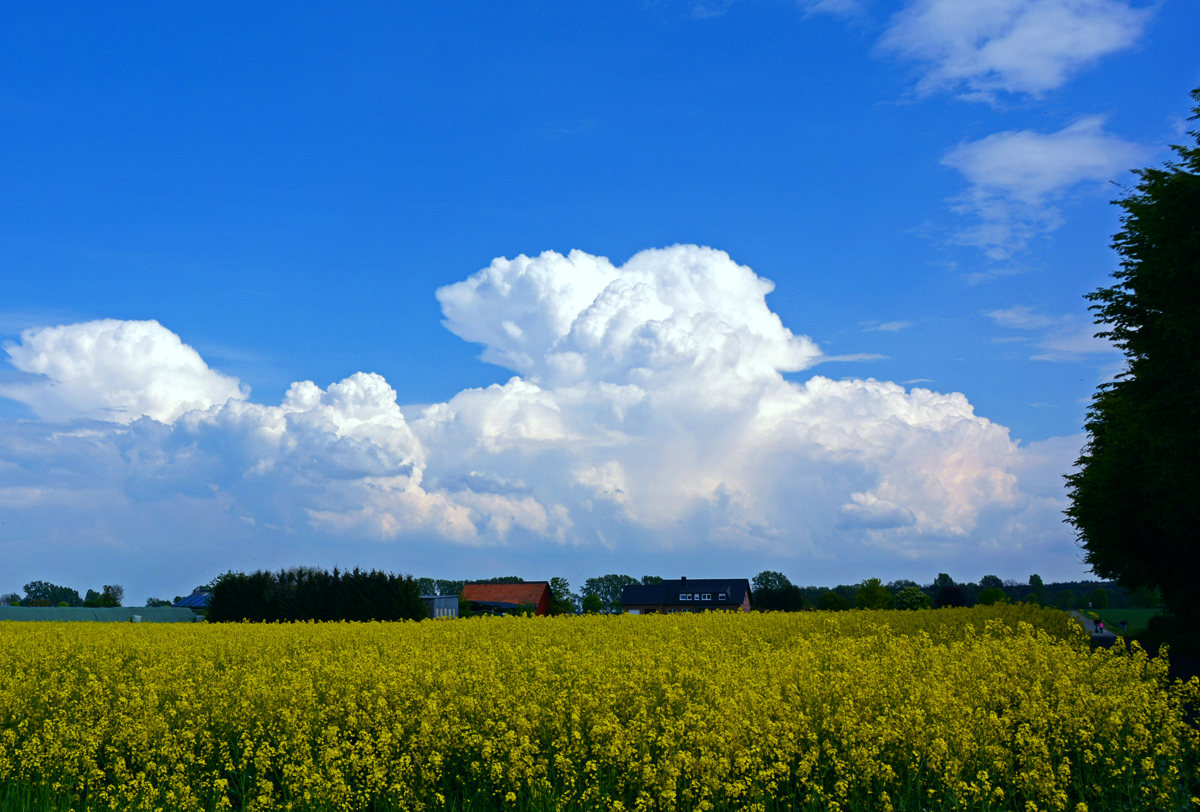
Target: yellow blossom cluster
x: 990, y: 708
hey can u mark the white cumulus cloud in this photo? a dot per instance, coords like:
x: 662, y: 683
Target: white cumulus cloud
x: 981, y: 47
x: 1016, y: 177
x: 114, y: 370
x: 650, y: 412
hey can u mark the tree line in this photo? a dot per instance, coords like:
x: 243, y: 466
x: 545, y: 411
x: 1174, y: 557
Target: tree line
x: 773, y: 591
x: 310, y: 593
x: 42, y: 593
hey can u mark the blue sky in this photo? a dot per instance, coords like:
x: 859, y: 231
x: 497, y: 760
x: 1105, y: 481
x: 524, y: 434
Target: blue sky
x: 285, y: 189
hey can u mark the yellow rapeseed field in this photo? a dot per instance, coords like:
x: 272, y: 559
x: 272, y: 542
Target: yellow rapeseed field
x: 988, y: 708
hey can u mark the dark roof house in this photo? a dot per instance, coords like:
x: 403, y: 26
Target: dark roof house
x: 197, y: 600
x: 504, y: 597
x: 687, y: 595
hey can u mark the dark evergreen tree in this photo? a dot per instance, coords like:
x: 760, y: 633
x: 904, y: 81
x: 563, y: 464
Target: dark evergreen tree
x: 306, y: 593
x: 1133, y: 498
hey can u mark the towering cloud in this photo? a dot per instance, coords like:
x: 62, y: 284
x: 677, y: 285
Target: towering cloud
x: 649, y: 412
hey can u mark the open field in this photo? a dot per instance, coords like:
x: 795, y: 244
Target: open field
x: 990, y: 708
x: 1138, y: 618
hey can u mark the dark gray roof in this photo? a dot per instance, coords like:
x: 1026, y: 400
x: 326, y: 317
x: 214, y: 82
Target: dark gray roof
x: 668, y: 593
x: 197, y: 600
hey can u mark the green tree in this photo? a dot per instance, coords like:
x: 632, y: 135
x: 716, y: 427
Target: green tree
x: 1132, y: 497
x: 592, y: 604
x: 832, y: 602
x: 562, y: 600
x: 1064, y: 598
x: 941, y: 582
x: 769, y: 579
x: 773, y: 592
x: 911, y: 597
x: 41, y: 593
x: 447, y: 587
x: 872, y: 594
x: 991, y: 582
x: 1100, y: 598
x: 651, y: 580
x: 608, y: 589
x: 991, y: 596
x: 1038, y: 588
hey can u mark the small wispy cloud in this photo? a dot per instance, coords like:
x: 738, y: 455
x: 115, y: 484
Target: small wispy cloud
x: 1017, y: 177
x: 889, y: 327
x: 854, y: 356
x: 979, y: 49
x: 837, y: 8
x: 1057, y: 338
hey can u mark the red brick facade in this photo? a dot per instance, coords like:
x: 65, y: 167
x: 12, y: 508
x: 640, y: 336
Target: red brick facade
x: 531, y: 592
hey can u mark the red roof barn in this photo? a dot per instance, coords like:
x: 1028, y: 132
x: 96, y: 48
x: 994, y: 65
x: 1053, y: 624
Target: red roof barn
x: 510, y: 596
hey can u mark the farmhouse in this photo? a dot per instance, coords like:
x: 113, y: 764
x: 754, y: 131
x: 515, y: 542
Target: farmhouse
x: 500, y: 598
x: 696, y: 595
x: 441, y: 605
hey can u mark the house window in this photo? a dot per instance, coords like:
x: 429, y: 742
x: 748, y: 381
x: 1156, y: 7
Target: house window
x: 707, y: 596
x: 685, y: 597
x: 721, y: 596
x: 696, y: 596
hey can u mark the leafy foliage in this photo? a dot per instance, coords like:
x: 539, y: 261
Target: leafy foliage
x: 111, y: 597
x: 773, y: 592
x: 872, y: 594
x: 562, y: 600
x: 832, y: 602
x: 991, y: 596
x: 1038, y: 588
x: 911, y: 597
x: 1133, y: 497
x: 608, y: 589
x: 41, y: 593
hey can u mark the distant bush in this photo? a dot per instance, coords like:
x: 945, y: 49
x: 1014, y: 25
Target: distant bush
x: 990, y: 596
x: 832, y: 602
x: 911, y: 597
x: 773, y: 592
x: 872, y: 594
x: 308, y: 593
